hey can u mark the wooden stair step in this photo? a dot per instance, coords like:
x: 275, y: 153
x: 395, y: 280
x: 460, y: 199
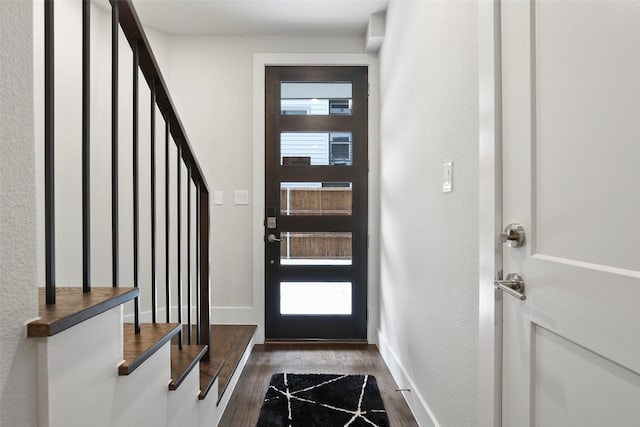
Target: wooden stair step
x: 183, y: 361
x: 228, y: 343
x: 139, y: 347
x: 209, y: 371
x: 73, y: 306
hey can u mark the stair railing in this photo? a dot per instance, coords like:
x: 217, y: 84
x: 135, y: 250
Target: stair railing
x: 124, y: 16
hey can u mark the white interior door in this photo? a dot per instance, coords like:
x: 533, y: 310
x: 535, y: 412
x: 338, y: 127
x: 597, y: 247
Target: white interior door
x: 571, y: 177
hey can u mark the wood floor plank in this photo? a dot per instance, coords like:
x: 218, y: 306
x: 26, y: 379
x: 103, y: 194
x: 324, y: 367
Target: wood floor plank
x: 139, y: 347
x: 245, y: 403
x: 73, y: 306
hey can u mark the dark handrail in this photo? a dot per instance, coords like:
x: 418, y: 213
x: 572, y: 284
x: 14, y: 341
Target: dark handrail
x: 134, y: 32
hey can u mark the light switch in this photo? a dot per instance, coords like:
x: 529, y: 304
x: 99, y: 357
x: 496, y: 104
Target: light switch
x: 218, y: 197
x: 241, y: 197
x: 447, y: 177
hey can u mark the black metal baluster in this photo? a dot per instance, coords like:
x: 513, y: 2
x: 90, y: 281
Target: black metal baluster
x: 179, y: 237
x: 154, y: 283
x: 114, y: 142
x: 136, y: 302
x: 86, y: 146
x: 205, y: 327
x: 198, y: 246
x: 49, y: 154
x: 189, y: 255
x: 166, y: 219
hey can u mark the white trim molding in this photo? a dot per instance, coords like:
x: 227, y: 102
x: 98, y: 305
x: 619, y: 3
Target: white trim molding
x: 418, y: 405
x: 490, y: 216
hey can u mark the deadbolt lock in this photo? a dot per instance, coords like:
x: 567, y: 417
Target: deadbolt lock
x: 513, y: 235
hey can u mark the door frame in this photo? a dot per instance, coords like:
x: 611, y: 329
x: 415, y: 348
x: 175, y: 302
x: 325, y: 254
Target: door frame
x: 351, y: 326
x: 256, y: 312
x: 490, y: 214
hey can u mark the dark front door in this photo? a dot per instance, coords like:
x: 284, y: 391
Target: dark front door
x: 316, y: 203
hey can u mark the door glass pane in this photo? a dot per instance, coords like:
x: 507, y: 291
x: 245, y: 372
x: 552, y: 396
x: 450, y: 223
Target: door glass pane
x: 313, y: 99
x: 315, y: 198
x: 316, y: 148
x: 332, y: 248
x: 315, y: 298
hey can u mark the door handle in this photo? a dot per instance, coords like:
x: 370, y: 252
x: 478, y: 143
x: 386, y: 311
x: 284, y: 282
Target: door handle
x: 272, y: 238
x: 513, y: 285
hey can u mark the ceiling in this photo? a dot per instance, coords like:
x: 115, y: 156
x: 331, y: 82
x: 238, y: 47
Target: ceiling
x: 258, y: 17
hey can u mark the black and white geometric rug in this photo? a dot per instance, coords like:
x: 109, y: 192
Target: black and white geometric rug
x: 322, y: 400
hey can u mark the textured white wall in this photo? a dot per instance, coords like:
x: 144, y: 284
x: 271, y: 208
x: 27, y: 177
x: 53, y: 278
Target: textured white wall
x: 429, y: 262
x: 18, y: 289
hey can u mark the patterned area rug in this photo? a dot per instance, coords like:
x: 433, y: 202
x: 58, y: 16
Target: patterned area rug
x: 322, y: 400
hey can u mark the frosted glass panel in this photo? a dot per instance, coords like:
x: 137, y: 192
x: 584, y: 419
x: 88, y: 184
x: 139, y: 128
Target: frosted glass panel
x: 303, y: 248
x: 327, y: 298
x: 316, y: 149
x: 315, y: 99
x: 315, y: 198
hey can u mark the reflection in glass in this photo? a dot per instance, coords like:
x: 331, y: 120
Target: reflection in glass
x: 315, y: 298
x: 313, y: 99
x: 316, y: 148
x: 315, y: 198
x: 315, y: 248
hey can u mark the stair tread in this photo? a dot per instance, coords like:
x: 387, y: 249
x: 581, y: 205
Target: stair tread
x: 139, y: 347
x: 229, y: 343
x: 183, y: 361
x: 73, y: 306
x: 209, y: 371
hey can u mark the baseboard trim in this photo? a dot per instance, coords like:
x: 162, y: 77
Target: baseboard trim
x: 414, y: 398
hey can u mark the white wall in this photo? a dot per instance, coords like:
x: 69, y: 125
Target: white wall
x: 429, y: 262
x: 18, y: 289
x: 211, y: 80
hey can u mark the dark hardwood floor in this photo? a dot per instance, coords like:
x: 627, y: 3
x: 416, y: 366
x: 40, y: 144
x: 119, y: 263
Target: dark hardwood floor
x: 244, y: 407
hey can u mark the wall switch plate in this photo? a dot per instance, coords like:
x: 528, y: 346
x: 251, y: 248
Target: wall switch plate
x: 241, y: 197
x: 218, y: 197
x: 447, y: 177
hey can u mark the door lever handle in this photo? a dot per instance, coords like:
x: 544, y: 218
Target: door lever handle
x: 271, y: 238
x: 513, y: 285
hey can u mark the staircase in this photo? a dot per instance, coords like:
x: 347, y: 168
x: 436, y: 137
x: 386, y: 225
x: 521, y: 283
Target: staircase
x: 84, y: 381
x: 99, y: 363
